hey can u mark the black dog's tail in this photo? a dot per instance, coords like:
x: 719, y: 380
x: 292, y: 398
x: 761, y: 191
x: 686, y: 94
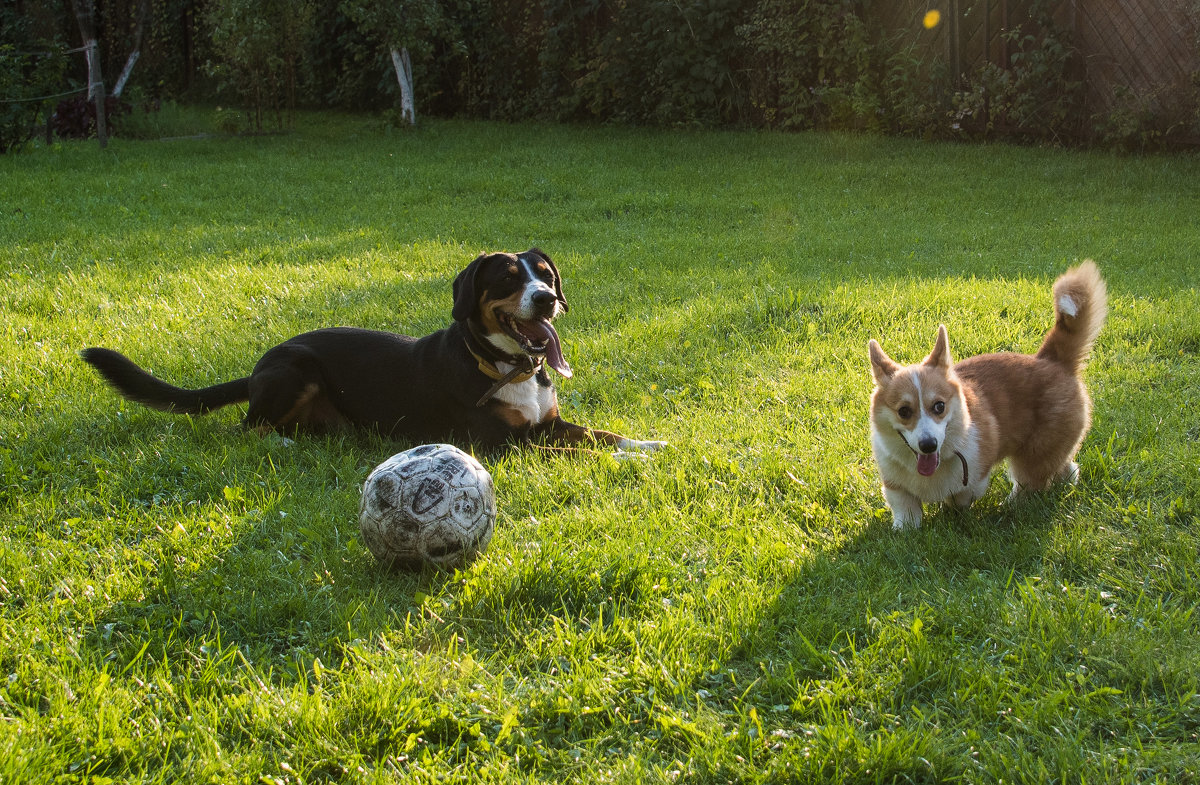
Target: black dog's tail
x: 137, y: 385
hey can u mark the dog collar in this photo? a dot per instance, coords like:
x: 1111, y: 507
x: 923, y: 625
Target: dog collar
x: 515, y: 376
x: 966, y: 476
x: 524, y: 366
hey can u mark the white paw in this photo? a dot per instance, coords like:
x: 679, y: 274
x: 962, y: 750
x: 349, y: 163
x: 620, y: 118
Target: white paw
x: 632, y: 445
x: 906, y: 509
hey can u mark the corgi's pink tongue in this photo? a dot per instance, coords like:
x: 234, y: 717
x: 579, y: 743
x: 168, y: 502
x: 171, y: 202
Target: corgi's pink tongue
x: 927, y: 464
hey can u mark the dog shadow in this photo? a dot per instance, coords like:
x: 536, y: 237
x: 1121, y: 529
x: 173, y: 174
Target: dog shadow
x: 892, y: 612
x: 220, y: 551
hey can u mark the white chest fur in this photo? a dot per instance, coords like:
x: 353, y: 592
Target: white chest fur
x: 959, y: 467
x: 532, y: 400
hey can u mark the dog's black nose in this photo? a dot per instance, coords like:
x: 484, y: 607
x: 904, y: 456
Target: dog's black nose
x: 927, y: 445
x: 543, y: 299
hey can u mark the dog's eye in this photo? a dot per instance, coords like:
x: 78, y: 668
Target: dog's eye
x: 905, y: 412
x: 939, y: 407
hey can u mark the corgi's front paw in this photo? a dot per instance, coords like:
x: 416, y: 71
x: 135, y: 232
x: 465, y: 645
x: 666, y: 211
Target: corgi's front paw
x: 906, y: 509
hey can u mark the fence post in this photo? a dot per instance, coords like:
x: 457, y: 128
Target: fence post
x: 85, y: 15
x: 96, y: 91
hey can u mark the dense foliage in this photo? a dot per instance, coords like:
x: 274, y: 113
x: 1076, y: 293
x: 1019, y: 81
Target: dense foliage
x: 31, y: 68
x: 258, y: 45
x: 787, y: 64
x: 75, y: 118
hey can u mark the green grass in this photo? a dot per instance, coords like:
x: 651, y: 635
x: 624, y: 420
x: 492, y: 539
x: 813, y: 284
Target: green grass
x: 181, y: 601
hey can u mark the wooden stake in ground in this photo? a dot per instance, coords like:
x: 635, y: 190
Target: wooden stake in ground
x: 85, y: 15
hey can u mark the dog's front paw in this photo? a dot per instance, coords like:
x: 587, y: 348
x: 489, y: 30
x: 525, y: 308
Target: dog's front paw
x: 633, y: 445
x: 906, y: 509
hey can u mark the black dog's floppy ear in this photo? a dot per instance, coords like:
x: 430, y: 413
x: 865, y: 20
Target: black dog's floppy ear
x: 557, y: 278
x: 465, y: 302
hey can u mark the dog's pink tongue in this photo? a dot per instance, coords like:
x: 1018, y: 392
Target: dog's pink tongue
x: 542, y: 330
x: 927, y: 464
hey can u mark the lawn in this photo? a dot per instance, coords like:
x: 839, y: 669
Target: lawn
x: 182, y: 601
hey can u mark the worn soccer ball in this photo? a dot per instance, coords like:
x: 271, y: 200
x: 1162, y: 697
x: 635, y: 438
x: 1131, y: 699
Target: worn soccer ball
x: 431, y: 505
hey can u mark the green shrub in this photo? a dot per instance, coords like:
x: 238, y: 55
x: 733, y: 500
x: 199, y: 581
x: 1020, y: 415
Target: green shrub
x: 657, y: 62
x: 1037, y: 96
x: 787, y: 64
x: 258, y: 45
x: 810, y: 64
x: 915, y: 90
x: 30, y: 68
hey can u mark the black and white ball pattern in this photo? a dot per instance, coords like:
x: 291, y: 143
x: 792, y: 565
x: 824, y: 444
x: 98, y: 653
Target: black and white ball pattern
x: 431, y: 505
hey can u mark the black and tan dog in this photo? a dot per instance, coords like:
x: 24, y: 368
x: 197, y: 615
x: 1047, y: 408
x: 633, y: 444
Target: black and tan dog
x: 483, y: 379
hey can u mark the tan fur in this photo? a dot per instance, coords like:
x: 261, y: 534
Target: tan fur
x: 513, y: 416
x: 1033, y: 410
x: 488, y: 309
x: 313, y: 411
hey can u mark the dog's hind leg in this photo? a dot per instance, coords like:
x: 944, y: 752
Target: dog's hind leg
x: 1027, y: 477
x: 969, y: 495
x: 286, y: 399
x: 1069, y: 473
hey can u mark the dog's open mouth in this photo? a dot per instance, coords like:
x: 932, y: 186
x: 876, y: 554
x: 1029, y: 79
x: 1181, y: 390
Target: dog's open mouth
x: 536, y: 337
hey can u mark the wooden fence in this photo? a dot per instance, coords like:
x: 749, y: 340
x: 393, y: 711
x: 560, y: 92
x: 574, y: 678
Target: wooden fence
x: 1136, y: 54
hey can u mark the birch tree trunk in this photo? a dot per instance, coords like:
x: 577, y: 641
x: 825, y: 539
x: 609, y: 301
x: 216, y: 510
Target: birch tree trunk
x: 142, y: 11
x: 403, y: 66
x: 124, y: 77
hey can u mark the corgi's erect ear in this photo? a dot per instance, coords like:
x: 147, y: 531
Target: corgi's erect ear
x: 882, y: 366
x: 940, y: 356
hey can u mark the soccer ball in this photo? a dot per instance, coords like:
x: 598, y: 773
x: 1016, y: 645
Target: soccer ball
x: 431, y: 505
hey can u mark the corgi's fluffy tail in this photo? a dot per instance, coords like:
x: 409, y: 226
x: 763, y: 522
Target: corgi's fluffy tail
x: 1080, y: 305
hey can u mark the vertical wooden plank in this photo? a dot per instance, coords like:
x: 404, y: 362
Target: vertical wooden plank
x: 987, y: 32
x: 1004, y: 61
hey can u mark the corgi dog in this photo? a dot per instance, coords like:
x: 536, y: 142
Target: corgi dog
x: 938, y: 428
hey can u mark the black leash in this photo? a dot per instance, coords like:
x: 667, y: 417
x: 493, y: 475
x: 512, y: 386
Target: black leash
x: 524, y: 366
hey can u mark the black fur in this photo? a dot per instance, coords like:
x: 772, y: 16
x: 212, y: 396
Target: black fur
x: 422, y: 389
